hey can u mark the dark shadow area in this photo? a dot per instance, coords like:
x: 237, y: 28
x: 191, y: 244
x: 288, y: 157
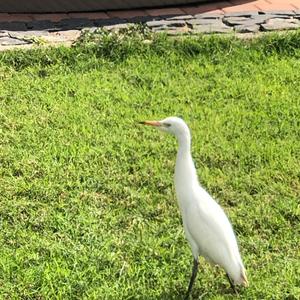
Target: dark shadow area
x: 74, y: 23
x: 46, y: 6
x: 66, y: 24
x: 178, y: 293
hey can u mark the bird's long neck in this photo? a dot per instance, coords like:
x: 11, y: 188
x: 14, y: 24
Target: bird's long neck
x: 185, y: 172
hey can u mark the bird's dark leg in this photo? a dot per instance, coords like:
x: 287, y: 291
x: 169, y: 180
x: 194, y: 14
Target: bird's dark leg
x: 193, y: 277
x: 231, y: 284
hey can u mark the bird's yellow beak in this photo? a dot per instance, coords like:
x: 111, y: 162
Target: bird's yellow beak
x: 151, y: 123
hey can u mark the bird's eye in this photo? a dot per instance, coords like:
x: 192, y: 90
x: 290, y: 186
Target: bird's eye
x: 167, y: 124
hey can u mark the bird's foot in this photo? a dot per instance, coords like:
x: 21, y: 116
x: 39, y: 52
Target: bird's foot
x: 232, y: 285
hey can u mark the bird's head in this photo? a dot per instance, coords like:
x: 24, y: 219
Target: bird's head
x: 173, y: 125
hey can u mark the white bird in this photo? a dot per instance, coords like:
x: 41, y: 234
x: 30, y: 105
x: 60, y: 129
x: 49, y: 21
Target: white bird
x: 206, y: 226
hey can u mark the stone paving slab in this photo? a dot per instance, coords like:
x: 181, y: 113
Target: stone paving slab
x: 250, y: 28
x: 27, y: 34
x: 280, y: 24
x: 199, y: 21
x: 181, y: 17
x: 10, y: 41
x: 241, y: 14
x: 212, y: 28
x: 3, y: 33
x: 234, y: 16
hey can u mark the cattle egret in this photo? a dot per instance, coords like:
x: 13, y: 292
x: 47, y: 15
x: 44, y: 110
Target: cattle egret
x: 206, y: 226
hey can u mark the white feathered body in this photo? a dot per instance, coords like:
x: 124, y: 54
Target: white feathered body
x: 206, y: 226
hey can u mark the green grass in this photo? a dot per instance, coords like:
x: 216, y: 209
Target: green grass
x: 87, y: 205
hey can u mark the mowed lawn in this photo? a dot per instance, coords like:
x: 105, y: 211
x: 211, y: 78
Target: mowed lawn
x: 87, y: 203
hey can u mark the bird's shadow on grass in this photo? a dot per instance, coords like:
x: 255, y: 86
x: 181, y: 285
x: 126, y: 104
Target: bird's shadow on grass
x: 176, y: 295
x: 179, y: 294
